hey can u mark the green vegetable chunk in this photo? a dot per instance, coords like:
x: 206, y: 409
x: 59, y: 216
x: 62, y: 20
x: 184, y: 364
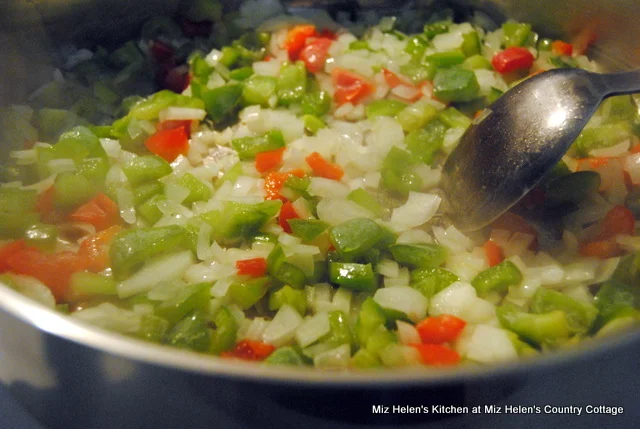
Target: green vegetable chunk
x: 384, y: 107
x: 580, y: 315
x: 292, y: 83
x: 221, y: 102
x: 366, y: 200
x: 430, y: 281
x: 258, y: 90
x: 427, y: 255
x: 17, y: 211
x: 225, y: 333
x: 145, y: 168
x: 287, y: 295
x: 425, y: 143
x: 515, y: 33
x: 198, y: 191
x: 359, y: 277
x: 192, y: 332
x: 547, y: 329
x: 370, y: 318
x: 249, y: 147
x: 398, y: 173
x: 132, y: 247
x: 246, y: 293
x: 355, y: 237
x: 285, y: 356
x: 455, y: 84
x: 497, y: 278
x: 307, y: 229
x: 284, y: 271
x: 190, y: 298
x: 85, y: 284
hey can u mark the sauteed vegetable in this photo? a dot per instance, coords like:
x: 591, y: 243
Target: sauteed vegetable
x: 278, y: 200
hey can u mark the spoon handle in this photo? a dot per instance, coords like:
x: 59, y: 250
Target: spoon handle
x: 622, y: 83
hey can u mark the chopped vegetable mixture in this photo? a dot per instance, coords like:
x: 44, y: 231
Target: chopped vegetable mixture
x: 277, y: 200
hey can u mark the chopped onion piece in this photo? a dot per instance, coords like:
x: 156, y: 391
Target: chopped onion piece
x: 164, y: 268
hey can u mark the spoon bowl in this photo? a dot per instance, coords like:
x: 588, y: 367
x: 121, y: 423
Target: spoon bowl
x: 514, y: 142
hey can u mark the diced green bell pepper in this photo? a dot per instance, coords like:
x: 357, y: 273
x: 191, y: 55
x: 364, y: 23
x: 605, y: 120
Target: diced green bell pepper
x: 547, y: 329
x: 430, y: 281
x: 433, y: 29
x: 152, y: 328
x: 141, y: 169
x: 284, y: 271
x: 446, y: 59
x: 198, y: 191
x: 379, y: 339
x: 144, y: 191
x: 384, y: 107
x: 71, y: 190
x: 188, y: 299
x: 515, y: 33
x: 453, y: 118
x: 249, y: 147
x: 456, y: 84
x: 340, y: 332
x: 292, y: 83
x: 149, y: 209
x: 397, y: 172
x: 580, y: 315
x: 366, y: 200
x: 497, y: 278
x: 358, y: 277
x: 285, y: 356
x: 192, y: 332
x: 416, y: 116
x: 428, y: 255
x: 475, y: 62
x: 316, y: 103
x: 313, y: 124
x: 41, y: 235
x: 245, y: 293
x: 617, y: 299
x: 221, y: 102
x: 355, y: 237
x: 296, y: 298
x: 307, y: 229
x: 601, y: 137
x: 239, y: 221
x: 226, y: 331
x: 17, y: 211
x: 259, y: 89
x: 84, y: 284
x: 419, y: 72
x: 425, y: 143
x: 364, y: 359
x: 471, y: 44
x: 131, y: 248
x: 241, y: 74
x: 370, y: 318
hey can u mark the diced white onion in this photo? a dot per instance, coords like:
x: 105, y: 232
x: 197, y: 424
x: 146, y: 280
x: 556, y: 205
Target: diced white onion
x: 283, y: 326
x: 159, y: 269
x: 125, y: 199
x: 407, y: 333
x: 182, y: 114
x: 24, y: 157
x: 418, y: 210
x: 404, y: 299
x: 64, y: 165
x: 312, y: 329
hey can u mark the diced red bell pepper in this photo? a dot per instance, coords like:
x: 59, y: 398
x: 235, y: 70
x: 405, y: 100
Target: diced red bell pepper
x: 618, y: 221
x: 250, y: 350
x: 440, y: 329
x: 52, y: 269
x: 437, y: 354
x: 287, y: 211
x: 323, y: 168
x: 274, y: 182
x: 512, y: 59
x: 160, y: 51
x: 174, y: 123
x: 560, y: 47
x: 95, y: 248
x: 168, y: 144
x: 269, y: 160
x: 315, y: 53
x: 493, y: 253
x: 350, y: 86
x: 100, y: 212
x: 7, y: 250
x: 297, y: 38
x: 256, y: 267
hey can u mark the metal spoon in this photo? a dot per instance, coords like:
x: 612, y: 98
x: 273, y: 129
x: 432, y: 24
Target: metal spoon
x: 520, y: 138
